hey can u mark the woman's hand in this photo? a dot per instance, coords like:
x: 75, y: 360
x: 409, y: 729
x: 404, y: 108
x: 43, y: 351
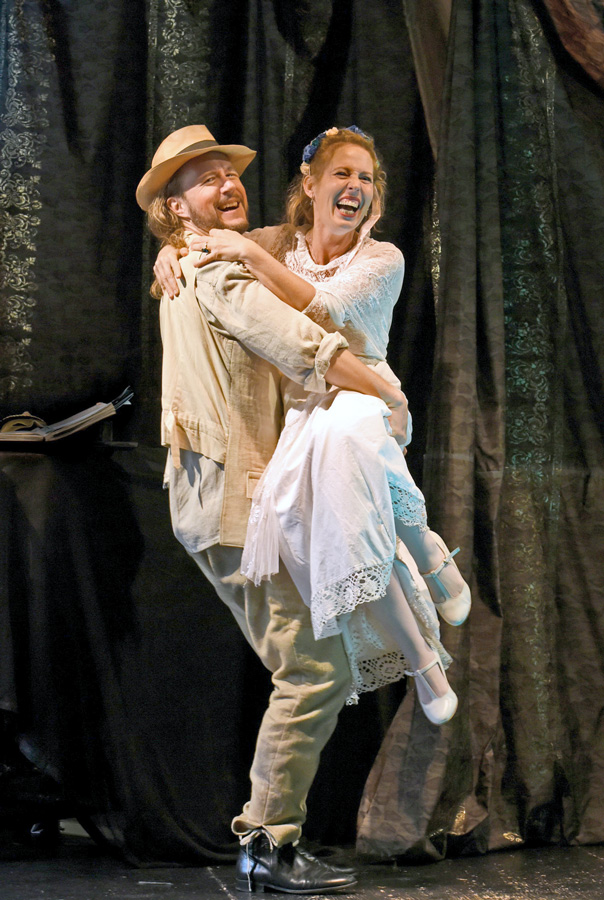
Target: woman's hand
x: 398, y: 419
x: 225, y: 245
x: 167, y: 269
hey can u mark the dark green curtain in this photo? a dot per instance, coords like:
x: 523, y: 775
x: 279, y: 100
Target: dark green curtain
x: 514, y: 465
x: 97, y: 601
x: 274, y: 73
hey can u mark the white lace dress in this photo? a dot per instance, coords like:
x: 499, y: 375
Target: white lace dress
x: 328, y: 500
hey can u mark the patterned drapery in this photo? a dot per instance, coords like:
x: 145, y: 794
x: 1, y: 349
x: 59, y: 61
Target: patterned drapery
x: 88, y: 90
x: 514, y: 465
x: 71, y: 145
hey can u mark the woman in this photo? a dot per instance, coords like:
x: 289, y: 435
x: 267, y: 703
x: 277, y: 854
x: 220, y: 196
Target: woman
x: 337, y: 502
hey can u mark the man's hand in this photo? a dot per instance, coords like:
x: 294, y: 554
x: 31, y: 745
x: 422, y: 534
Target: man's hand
x: 167, y: 269
x: 222, y: 244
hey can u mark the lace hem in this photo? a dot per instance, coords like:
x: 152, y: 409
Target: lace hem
x: 371, y: 674
x: 372, y: 670
x: 408, y: 508
x: 343, y: 596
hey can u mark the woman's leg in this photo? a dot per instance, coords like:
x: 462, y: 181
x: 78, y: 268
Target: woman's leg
x: 447, y: 588
x: 428, y: 555
x: 394, y: 613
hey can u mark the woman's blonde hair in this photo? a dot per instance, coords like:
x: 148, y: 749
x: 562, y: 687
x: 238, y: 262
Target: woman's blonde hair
x: 299, y: 209
x: 165, y: 224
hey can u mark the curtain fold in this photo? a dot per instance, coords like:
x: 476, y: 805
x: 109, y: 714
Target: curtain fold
x: 514, y: 468
x: 154, y: 746
x: 71, y: 145
x: 514, y: 447
x: 428, y: 24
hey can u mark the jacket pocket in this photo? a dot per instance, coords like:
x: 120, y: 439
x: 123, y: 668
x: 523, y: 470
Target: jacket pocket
x: 252, y: 483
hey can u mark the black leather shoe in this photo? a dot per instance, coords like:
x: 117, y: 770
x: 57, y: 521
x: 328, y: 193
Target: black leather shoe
x: 288, y: 869
x: 323, y: 855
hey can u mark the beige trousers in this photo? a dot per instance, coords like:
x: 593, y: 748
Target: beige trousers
x: 311, y: 680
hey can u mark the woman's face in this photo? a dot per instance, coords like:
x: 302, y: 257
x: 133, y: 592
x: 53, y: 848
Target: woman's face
x: 343, y: 192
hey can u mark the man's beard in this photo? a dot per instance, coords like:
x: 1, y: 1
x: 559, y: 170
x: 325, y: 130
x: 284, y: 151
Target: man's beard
x: 205, y: 223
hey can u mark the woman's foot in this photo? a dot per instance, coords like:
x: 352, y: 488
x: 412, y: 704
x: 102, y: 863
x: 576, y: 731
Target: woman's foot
x: 437, y: 698
x: 449, y: 592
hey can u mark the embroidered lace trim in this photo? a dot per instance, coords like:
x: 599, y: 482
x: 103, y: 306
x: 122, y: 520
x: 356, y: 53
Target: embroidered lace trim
x: 316, y: 309
x: 408, y: 508
x: 371, y: 671
x: 321, y: 271
x: 360, y: 586
x: 371, y: 674
x: 360, y: 289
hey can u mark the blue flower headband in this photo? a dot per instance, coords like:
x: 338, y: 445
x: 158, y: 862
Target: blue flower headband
x: 310, y: 149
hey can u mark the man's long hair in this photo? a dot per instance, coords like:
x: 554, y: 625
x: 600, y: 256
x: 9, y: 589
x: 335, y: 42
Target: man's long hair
x: 165, y: 224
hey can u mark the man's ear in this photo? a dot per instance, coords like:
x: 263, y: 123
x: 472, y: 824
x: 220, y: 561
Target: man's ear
x: 176, y: 205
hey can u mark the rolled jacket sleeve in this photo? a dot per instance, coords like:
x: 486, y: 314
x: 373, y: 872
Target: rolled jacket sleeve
x: 238, y: 306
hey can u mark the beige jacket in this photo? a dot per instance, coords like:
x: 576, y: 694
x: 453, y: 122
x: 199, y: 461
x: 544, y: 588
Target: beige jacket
x: 226, y: 339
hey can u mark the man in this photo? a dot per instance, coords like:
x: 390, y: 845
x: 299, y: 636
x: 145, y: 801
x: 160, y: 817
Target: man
x: 226, y: 339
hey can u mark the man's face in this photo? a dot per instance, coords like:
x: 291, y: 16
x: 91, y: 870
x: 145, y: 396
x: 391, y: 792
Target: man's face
x: 211, y: 195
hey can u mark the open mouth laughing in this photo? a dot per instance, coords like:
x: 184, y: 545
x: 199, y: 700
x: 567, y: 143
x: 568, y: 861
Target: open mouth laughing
x: 229, y: 206
x: 348, y: 206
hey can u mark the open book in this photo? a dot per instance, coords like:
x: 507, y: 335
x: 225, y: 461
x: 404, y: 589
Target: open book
x: 26, y: 427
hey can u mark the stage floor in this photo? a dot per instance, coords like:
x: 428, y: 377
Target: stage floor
x: 79, y: 870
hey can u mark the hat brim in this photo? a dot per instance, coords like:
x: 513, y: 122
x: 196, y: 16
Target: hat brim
x: 158, y: 176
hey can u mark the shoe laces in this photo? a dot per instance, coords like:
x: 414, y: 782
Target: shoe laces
x: 247, y: 868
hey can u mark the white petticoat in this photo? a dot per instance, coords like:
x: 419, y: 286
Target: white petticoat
x: 326, y: 505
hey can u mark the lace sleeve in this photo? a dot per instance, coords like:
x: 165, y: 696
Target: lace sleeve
x: 370, y: 284
x: 318, y: 312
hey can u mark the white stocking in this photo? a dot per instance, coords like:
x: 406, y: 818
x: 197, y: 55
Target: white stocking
x: 394, y: 613
x: 427, y: 555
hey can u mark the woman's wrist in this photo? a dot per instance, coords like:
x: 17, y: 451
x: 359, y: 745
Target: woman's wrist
x: 393, y: 397
x: 254, y: 256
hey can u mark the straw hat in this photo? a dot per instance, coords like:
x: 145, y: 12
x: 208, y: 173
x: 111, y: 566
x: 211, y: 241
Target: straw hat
x: 177, y: 149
